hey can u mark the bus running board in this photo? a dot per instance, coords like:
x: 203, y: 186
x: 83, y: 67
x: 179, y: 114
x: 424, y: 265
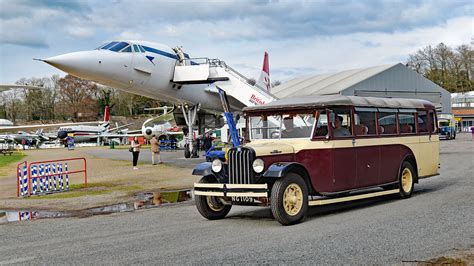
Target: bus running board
x: 351, y: 198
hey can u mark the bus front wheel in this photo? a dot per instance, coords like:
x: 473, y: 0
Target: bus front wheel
x: 211, y: 207
x: 289, y: 199
x: 406, y: 180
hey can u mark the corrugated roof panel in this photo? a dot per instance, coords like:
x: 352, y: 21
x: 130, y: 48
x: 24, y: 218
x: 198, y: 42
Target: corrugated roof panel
x: 326, y: 83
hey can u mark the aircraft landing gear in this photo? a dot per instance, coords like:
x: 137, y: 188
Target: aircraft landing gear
x: 190, y: 113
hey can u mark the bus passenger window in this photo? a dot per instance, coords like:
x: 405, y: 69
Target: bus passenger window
x: 365, y: 121
x: 422, y: 122
x: 322, y: 125
x: 407, y: 123
x: 387, y: 122
x: 341, y: 126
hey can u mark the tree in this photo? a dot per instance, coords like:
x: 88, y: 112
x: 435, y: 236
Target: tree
x: 77, y: 97
x: 449, y: 68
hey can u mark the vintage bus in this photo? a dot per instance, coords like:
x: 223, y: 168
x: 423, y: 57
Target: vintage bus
x: 316, y: 150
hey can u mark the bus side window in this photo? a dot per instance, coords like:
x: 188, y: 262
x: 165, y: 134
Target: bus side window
x: 388, y: 122
x: 342, y: 122
x: 407, y: 123
x: 365, y: 121
x: 322, y: 125
x: 422, y: 122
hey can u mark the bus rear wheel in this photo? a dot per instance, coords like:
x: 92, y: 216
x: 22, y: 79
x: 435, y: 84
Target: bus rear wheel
x: 289, y: 199
x: 211, y: 207
x: 406, y: 180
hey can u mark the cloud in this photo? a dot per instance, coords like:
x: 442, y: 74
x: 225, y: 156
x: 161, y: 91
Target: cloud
x: 302, y: 37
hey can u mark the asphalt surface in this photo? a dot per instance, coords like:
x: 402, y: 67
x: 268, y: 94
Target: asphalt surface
x: 435, y: 220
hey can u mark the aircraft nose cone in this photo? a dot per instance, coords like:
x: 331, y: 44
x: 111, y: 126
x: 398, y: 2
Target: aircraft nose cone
x: 78, y: 64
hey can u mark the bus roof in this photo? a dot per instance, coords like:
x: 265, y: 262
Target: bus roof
x: 315, y: 101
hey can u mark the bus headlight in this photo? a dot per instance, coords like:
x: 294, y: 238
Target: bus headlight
x: 216, y: 165
x: 258, y: 165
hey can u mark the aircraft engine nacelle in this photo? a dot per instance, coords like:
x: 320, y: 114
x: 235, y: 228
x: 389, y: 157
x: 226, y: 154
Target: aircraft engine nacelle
x: 148, y: 132
x: 62, y: 134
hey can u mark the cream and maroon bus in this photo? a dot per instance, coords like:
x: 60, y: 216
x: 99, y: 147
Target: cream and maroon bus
x: 316, y: 150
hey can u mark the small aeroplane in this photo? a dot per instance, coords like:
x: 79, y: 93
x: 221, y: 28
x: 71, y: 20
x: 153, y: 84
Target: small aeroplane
x: 86, y: 133
x: 29, y: 139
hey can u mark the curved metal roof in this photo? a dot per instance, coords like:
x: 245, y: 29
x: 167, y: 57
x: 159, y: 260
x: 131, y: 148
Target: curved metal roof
x: 332, y: 100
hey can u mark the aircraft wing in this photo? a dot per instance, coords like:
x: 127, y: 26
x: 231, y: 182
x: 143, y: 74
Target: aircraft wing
x: 121, y: 135
x: 120, y: 127
x: 27, y: 127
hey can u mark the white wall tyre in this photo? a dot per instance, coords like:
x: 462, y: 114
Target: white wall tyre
x: 289, y: 199
x: 210, y: 207
x: 406, y: 180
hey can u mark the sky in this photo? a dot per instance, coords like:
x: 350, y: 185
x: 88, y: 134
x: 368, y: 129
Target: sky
x: 301, y: 37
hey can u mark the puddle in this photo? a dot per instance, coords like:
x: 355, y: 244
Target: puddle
x: 142, y: 201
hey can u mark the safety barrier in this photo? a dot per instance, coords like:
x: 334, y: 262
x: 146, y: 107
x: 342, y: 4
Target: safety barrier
x: 44, y: 177
x: 168, y: 145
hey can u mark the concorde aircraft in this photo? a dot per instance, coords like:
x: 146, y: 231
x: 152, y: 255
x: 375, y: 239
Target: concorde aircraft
x: 168, y: 74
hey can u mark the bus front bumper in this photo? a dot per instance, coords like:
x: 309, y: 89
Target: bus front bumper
x: 231, y: 190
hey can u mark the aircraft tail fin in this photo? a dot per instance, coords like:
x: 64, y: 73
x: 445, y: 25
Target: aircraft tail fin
x: 106, y: 123
x: 264, y: 80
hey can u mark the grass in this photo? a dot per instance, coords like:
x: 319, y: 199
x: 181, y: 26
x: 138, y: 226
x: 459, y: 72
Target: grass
x: 9, y: 159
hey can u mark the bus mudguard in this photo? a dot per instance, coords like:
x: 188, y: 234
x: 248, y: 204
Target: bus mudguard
x: 278, y: 170
x: 205, y: 169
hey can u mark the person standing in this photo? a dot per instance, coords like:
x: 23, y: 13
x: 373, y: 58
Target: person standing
x: 135, y: 147
x: 155, y: 150
x: 207, y: 142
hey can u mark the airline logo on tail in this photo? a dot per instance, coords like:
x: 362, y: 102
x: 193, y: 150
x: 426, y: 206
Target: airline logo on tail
x: 264, y: 80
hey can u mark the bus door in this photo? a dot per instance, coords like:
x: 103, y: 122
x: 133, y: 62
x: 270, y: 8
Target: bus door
x: 343, y: 153
x: 367, y: 147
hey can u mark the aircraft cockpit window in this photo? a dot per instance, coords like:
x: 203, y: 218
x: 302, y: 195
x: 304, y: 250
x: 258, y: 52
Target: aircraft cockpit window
x: 107, y: 46
x: 127, y: 49
x: 141, y: 49
x: 102, y: 45
x: 119, y: 46
x: 136, y: 49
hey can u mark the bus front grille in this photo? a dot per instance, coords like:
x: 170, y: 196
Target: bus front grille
x: 240, y: 166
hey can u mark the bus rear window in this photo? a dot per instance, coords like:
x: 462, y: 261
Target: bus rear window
x: 422, y: 121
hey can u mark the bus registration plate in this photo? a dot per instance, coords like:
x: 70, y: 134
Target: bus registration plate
x: 243, y: 200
